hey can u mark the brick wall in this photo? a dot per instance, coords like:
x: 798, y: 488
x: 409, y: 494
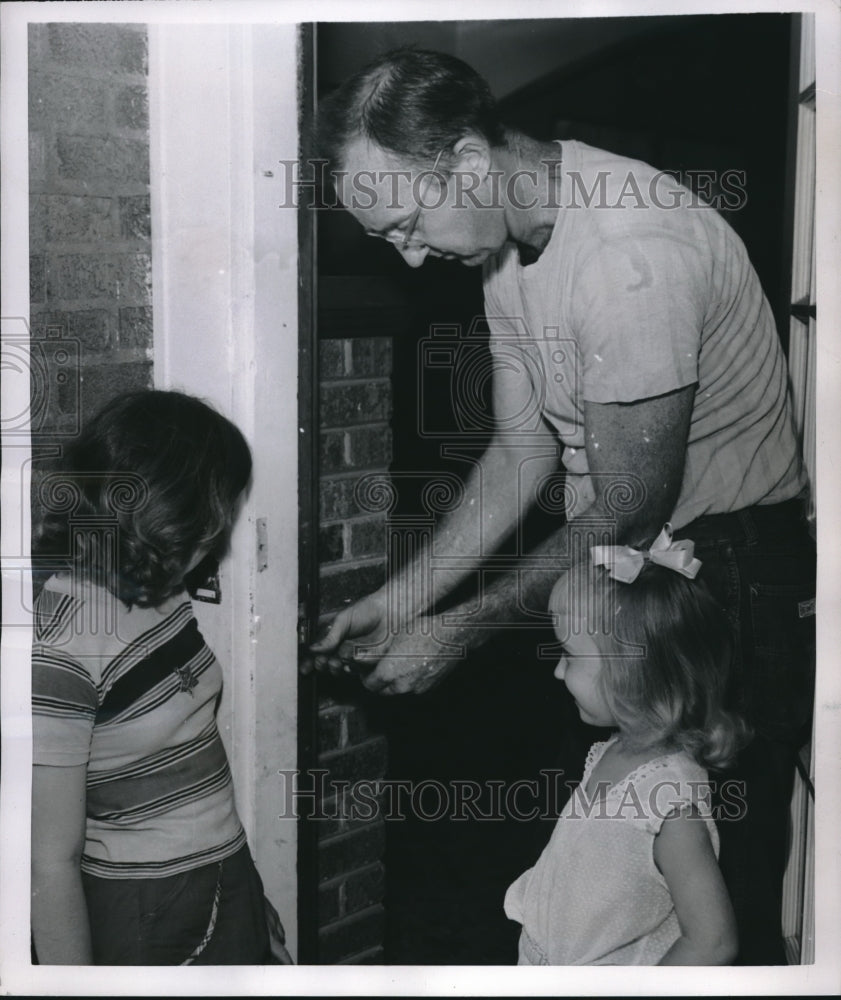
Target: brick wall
x: 355, y: 395
x: 90, y: 258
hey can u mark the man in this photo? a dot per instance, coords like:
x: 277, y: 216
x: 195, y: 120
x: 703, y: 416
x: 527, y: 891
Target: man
x: 633, y: 343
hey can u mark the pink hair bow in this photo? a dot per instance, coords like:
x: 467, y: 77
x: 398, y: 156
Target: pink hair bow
x: 624, y: 563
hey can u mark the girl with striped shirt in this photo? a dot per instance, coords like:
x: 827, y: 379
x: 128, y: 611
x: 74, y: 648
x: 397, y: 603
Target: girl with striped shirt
x: 138, y: 855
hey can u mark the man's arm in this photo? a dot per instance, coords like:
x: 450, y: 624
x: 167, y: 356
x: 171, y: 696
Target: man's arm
x: 645, y: 440
x: 498, y: 492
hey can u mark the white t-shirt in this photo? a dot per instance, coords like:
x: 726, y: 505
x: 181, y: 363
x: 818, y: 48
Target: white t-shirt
x: 631, y: 299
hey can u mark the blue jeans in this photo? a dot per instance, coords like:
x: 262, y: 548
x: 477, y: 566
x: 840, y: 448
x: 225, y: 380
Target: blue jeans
x: 165, y: 921
x: 760, y: 564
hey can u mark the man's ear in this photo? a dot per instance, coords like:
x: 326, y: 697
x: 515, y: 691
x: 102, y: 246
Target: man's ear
x: 473, y: 155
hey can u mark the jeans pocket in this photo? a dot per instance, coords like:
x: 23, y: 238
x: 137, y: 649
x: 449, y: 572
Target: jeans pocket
x: 161, y: 894
x: 175, y: 916
x: 781, y: 683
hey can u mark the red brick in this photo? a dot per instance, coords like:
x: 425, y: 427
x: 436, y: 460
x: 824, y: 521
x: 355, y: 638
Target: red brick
x: 125, y: 277
x: 332, y: 445
x: 364, y: 888
x: 367, y: 538
x: 358, y: 728
x: 102, y: 158
x: 374, y: 956
x: 37, y: 43
x: 92, y: 328
x: 77, y: 218
x: 348, y: 894
x: 54, y: 389
x: 361, y: 932
x: 348, y: 403
x: 356, y: 849
x: 331, y: 729
x: 365, y: 760
x: 371, y: 356
x: 37, y: 220
x: 368, y: 804
x: 100, y: 383
x: 131, y: 108
x: 37, y: 158
x: 135, y: 217
x: 57, y: 100
x: 136, y: 327
x: 326, y: 699
x: 339, y: 691
x: 70, y: 397
x: 336, y: 586
x: 329, y: 903
x: 99, y: 45
x: 331, y: 543
x: 37, y: 278
x: 331, y: 358
x: 370, y: 447
x: 330, y: 822
x: 79, y: 74
x: 336, y: 499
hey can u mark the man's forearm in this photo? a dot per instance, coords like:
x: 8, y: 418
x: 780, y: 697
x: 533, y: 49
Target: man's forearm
x: 498, y: 493
x: 520, y: 590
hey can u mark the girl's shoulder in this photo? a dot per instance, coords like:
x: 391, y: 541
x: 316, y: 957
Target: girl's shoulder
x: 56, y: 606
x: 595, y: 754
x: 679, y: 763
x: 674, y: 766
x: 67, y: 584
x: 618, y: 769
x: 84, y: 617
x: 67, y: 593
x: 670, y: 784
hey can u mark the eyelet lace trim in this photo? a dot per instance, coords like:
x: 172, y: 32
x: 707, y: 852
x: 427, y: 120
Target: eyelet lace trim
x: 639, y: 773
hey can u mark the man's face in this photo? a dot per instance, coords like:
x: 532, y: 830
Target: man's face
x: 456, y: 221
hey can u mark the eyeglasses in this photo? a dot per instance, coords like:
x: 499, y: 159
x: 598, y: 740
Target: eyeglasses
x: 413, y: 221
x: 402, y: 238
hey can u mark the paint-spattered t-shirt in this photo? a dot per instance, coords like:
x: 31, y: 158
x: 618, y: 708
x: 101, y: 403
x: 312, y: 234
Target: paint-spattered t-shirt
x: 641, y: 290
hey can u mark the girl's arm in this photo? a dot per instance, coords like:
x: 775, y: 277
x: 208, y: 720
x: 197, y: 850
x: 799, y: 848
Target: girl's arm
x: 684, y: 854
x: 60, y: 927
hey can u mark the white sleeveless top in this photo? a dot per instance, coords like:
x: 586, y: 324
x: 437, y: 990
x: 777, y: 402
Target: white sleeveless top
x: 595, y: 896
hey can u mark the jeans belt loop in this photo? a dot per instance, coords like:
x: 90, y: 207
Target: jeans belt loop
x: 748, y: 525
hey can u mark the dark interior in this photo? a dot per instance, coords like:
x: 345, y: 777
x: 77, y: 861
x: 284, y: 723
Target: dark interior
x: 694, y: 93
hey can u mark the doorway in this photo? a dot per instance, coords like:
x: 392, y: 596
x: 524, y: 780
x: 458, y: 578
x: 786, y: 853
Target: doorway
x: 648, y: 88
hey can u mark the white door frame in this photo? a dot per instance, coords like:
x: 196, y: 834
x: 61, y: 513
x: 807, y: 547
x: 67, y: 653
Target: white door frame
x: 223, y: 112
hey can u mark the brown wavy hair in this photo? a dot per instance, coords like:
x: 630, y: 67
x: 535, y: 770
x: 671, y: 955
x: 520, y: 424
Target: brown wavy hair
x: 153, y: 478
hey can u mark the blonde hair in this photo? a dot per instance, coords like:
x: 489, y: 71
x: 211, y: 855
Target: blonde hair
x: 667, y: 650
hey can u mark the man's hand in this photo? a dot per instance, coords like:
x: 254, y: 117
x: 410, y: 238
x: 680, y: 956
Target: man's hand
x: 358, y: 634
x: 418, y: 658
x: 409, y: 657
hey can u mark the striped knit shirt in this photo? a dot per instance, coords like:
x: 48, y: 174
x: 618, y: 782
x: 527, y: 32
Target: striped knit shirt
x: 132, y: 694
x: 641, y: 290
